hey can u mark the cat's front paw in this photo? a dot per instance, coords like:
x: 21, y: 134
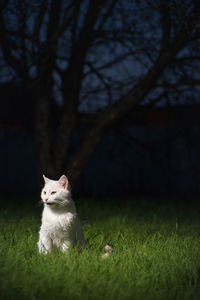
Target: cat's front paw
x: 65, y: 246
x: 41, y: 248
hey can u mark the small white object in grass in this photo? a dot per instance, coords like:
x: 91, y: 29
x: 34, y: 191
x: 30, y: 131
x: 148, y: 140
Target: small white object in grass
x: 108, y: 250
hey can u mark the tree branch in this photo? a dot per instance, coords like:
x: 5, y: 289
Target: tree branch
x: 126, y: 103
x: 39, y: 19
x: 166, y: 23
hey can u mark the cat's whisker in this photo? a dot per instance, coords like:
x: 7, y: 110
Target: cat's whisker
x: 39, y: 203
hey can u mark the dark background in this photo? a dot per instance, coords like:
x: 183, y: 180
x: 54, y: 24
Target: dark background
x: 106, y: 92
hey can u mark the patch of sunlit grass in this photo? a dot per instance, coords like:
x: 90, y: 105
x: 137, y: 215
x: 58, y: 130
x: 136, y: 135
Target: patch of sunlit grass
x: 156, y: 253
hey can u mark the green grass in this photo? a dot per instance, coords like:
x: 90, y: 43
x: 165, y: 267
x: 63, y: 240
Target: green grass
x: 156, y: 252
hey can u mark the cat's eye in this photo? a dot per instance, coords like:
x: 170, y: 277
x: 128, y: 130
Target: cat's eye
x: 53, y: 193
x: 44, y: 192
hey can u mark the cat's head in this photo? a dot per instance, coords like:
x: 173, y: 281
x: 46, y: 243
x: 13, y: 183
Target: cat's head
x: 55, y: 192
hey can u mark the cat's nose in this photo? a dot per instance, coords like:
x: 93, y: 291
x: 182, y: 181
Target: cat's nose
x: 46, y: 200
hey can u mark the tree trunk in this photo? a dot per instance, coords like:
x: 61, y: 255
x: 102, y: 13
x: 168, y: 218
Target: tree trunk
x: 42, y: 139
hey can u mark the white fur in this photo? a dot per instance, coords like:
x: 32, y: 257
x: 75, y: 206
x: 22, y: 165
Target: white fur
x: 60, y: 224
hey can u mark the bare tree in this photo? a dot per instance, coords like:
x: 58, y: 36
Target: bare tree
x: 103, y: 57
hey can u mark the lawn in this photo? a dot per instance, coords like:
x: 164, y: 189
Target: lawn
x: 156, y: 252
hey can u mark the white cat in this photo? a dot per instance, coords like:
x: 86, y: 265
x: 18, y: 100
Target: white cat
x: 60, y: 224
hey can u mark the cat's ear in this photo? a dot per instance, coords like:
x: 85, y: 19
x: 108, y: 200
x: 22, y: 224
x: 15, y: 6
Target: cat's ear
x: 63, y: 181
x: 46, y: 179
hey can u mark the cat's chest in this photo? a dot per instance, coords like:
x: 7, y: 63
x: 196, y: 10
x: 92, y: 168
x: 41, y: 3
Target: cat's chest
x: 53, y: 222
